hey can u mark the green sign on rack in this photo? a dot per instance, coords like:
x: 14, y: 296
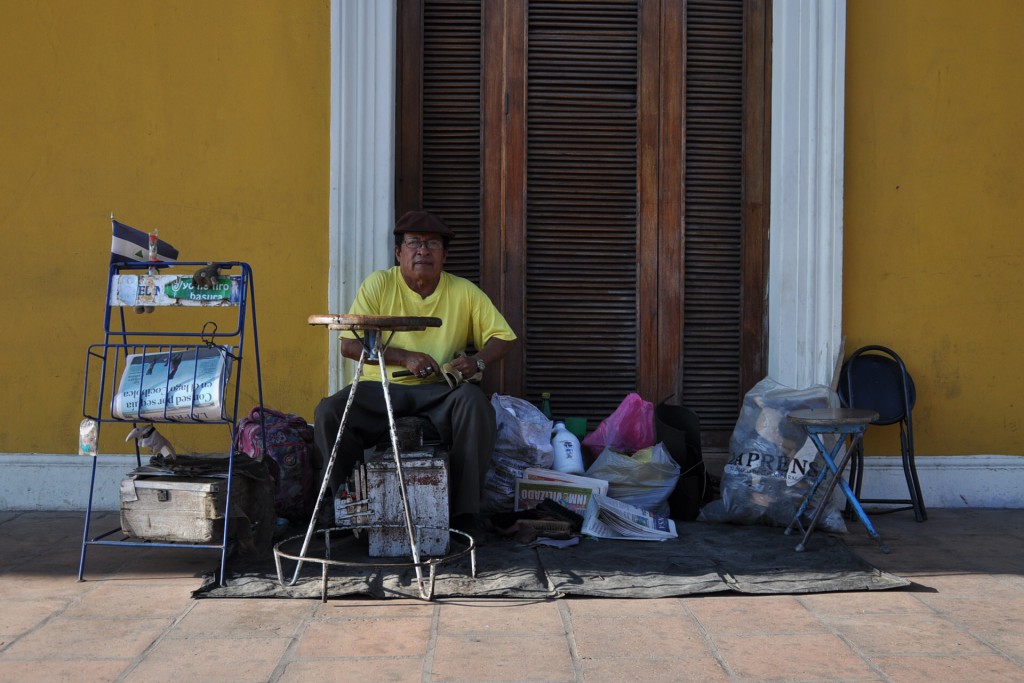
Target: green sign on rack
x: 183, y: 288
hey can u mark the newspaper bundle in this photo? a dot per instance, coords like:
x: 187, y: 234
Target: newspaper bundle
x: 186, y: 385
x: 609, y: 518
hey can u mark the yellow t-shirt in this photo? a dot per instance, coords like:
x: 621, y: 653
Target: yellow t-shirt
x: 467, y: 317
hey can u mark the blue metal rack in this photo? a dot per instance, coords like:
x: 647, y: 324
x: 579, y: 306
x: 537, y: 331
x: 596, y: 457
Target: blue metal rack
x: 146, y: 287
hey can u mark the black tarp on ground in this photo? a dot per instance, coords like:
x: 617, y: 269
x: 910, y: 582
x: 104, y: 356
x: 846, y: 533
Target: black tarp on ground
x: 706, y: 558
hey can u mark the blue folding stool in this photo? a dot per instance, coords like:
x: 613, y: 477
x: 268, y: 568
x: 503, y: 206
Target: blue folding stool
x: 844, y: 423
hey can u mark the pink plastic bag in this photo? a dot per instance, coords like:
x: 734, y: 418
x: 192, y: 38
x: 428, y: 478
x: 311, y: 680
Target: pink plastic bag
x: 627, y: 430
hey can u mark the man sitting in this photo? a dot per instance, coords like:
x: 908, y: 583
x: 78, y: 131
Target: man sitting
x: 463, y: 416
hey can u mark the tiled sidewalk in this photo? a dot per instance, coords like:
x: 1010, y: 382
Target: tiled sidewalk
x: 133, y: 620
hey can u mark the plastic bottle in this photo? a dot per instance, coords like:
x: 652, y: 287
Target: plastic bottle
x: 568, y: 454
x: 545, y: 404
x: 88, y: 436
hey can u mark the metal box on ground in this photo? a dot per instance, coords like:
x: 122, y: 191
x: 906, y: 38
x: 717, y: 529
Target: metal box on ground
x: 426, y: 485
x: 173, y: 509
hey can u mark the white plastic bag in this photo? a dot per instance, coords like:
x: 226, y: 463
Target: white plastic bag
x: 523, y: 441
x: 646, y: 484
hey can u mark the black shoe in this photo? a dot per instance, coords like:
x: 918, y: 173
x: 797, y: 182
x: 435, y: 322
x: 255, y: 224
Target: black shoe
x: 471, y: 524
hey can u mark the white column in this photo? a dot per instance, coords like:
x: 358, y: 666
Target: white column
x: 806, y: 231
x: 362, y: 150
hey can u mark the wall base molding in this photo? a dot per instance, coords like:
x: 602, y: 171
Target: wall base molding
x: 39, y: 481
x: 954, y: 481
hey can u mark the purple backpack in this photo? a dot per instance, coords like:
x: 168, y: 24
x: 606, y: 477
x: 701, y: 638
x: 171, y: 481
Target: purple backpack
x: 289, y: 457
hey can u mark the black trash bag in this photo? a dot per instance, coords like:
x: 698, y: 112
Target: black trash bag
x: 678, y: 428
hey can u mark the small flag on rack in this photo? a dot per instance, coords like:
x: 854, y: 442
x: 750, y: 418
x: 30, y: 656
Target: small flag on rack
x: 129, y: 244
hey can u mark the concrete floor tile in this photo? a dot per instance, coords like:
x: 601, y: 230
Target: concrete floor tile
x: 375, y: 670
x: 494, y: 657
x: 863, y: 602
x: 982, y: 614
x: 931, y: 668
x: 53, y: 525
x: 743, y: 614
x: 1006, y: 643
x: 996, y: 621
x: 17, y: 586
x: 374, y: 609
x: 398, y: 637
x: 20, y: 616
x: 506, y: 617
x: 912, y: 634
x: 132, y: 600
x: 161, y: 563
x: 74, y: 671
x: 764, y: 657
x: 210, y: 659
x: 243, y: 618
x: 961, y: 584
x: 654, y: 670
x: 48, y: 565
x: 110, y: 638
x: 624, y: 608
x: 611, y: 637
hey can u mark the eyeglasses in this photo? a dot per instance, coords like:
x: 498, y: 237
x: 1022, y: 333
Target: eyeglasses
x: 414, y: 244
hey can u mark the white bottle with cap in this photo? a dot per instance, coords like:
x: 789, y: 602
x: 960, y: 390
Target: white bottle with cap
x: 568, y: 454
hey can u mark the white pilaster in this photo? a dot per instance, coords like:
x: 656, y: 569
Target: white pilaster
x: 806, y: 231
x: 362, y: 150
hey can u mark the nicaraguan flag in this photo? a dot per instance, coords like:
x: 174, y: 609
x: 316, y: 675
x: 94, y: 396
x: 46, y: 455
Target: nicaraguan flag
x: 129, y: 244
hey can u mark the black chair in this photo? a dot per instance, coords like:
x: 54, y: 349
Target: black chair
x: 875, y: 377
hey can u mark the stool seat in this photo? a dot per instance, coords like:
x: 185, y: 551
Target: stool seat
x: 374, y: 323
x: 833, y: 417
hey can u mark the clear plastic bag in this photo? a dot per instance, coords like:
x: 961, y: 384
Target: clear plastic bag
x: 646, y: 483
x: 772, y: 463
x: 523, y: 441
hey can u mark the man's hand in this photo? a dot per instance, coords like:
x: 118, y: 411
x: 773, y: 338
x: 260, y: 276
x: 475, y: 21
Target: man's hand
x: 493, y: 351
x: 466, y: 365
x: 419, y: 364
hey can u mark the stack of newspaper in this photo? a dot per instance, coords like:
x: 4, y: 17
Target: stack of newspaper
x: 609, y: 518
x: 181, y: 385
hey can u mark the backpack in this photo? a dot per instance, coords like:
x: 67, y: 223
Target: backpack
x: 289, y: 451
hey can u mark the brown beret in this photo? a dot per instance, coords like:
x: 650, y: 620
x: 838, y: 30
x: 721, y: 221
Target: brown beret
x: 422, y: 221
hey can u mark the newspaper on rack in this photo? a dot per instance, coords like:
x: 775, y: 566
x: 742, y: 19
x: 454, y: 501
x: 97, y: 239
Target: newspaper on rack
x: 609, y: 518
x: 183, y: 385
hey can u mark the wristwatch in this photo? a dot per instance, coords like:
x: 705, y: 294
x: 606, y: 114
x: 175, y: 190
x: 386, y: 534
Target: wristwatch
x: 480, y: 364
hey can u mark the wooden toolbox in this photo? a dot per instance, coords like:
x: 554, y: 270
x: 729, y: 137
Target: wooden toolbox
x: 166, y: 508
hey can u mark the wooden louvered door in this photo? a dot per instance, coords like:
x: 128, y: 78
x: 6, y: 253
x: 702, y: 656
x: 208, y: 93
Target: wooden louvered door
x: 583, y: 320
x: 593, y: 159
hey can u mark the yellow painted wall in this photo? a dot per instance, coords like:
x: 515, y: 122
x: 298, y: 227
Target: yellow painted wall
x: 934, y: 253
x: 206, y: 120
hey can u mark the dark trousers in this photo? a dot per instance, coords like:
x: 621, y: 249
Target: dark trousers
x: 463, y: 417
